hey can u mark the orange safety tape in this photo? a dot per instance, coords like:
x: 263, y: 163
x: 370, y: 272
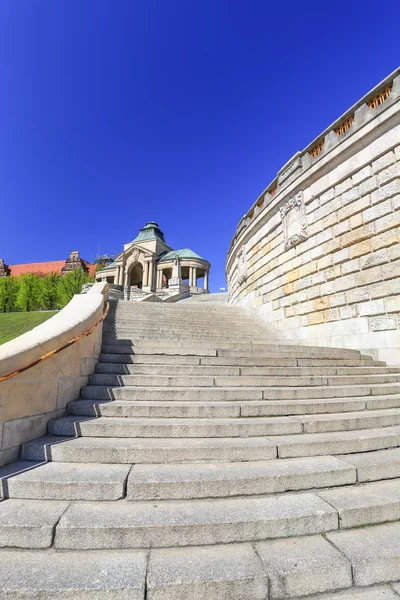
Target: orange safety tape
x: 57, y: 350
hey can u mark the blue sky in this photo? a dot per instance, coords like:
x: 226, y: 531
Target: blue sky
x: 117, y: 112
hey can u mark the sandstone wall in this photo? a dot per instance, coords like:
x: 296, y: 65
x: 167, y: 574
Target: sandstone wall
x: 29, y: 400
x: 318, y: 254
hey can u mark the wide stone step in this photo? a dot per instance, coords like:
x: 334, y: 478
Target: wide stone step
x: 219, y: 480
x: 216, y: 394
x: 254, y: 362
x: 180, y: 450
x: 229, y: 349
x: 185, y: 523
x: 265, y: 408
x: 110, y: 379
x: 63, y: 481
x: 223, y: 427
x: 70, y: 481
x: 148, y: 450
x: 175, y: 428
x: 121, y: 524
x: 273, y: 569
x: 165, y: 369
x: 47, y: 575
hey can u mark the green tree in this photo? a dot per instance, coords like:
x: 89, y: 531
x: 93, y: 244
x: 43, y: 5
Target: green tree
x: 8, y: 293
x: 71, y: 284
x: 49, y: 291
x: 28, y: 292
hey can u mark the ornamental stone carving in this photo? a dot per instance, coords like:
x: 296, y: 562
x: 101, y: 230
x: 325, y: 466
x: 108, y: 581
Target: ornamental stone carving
x: 135, y: 255
x: 294, y: 221
x: 242, y: 265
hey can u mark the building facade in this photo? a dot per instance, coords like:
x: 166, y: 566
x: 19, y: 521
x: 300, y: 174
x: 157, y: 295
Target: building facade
x: 61, y: 267
x: 149, y: 264
x: 317, y: 255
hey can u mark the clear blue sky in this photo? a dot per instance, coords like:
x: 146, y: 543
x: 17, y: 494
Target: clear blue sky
x: 117, y: 112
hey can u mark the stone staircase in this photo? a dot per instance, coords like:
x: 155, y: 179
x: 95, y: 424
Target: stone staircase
x: 206, y: 460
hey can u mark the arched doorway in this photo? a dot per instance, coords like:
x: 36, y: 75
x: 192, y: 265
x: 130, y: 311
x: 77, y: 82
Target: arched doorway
x: 136, y: 276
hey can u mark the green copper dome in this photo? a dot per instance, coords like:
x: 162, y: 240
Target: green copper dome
x: 184, y: 253
x: 150, y: 231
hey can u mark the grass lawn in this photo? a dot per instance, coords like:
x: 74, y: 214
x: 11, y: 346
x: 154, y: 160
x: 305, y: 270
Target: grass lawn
x: 14, y: 324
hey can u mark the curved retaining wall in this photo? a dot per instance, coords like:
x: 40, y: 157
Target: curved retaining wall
x: 29, y: 400
x: 317, y: 256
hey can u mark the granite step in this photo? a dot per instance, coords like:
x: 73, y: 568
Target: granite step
x: 110, y: 379
x: 192, y: 360
x: 93, y: 482
x: 109, y: 450
x: 175, y: 428
x: 47, y: 574
x: 264, y: 408
x: 63, y: 481
x: 219, y: 480
x: 272, y: 569
x: 289, y: 371
x: 139, y: 525
x: 215, y: 394
x: 236, y: 426
x: 180, y: 450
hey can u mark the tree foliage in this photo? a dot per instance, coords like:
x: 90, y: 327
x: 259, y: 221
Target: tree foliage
x: 34, y: 292
x: 71, y: 284
x: 49, y: 291
x: 8, y: 293
x: 28, y: 292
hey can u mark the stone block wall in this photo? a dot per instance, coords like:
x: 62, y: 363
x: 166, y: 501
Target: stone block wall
x: 319, y: 258
x: 30, y: 399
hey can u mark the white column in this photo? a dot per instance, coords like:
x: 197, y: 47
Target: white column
x: 116, y: 276
x: 150, y: 274
x: 145, y: 274
x: 190, y: 276
x: 194, y: 277
x: 206, y: 280
x: 126, y: 279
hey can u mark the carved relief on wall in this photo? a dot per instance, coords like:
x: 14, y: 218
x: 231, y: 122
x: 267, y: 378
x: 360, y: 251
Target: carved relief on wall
x: 294, y: 221
x: 242, y: 265
x: 135, y: 255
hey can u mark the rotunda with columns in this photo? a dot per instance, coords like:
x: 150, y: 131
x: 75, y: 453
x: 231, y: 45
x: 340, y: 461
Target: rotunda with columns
x: 148, y: 264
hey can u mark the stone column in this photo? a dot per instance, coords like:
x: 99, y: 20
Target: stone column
x: 145, y: 274
x: 206, y: 280
x: 150, y: 274
x: 126, y: 286
x: 194, y: 277
x: 117, y: 272
x: 159, y: 279
x: 190, y: 276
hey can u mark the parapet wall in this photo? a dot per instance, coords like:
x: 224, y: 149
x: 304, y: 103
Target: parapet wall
x: 30, y: 399
x: 317, y: 256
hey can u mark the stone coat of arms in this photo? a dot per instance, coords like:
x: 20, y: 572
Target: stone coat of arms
x: 294, y: 221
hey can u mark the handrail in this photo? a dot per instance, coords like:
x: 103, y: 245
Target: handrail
x: 57, y: 350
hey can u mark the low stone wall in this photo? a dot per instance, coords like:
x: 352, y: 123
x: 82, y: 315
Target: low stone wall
x: 318, y: 256
x: 29, y: 400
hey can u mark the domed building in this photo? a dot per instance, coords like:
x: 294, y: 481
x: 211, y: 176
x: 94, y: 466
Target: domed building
x: 148, y: 264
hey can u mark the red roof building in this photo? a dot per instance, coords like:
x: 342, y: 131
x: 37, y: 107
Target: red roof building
x: 45, y: 268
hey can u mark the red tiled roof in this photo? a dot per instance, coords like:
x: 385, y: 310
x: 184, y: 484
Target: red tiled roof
x: 41, y: 268
x: 92, y: 270
x: 45, y: 268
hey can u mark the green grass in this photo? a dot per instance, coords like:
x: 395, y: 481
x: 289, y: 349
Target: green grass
x: 14, y: 324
